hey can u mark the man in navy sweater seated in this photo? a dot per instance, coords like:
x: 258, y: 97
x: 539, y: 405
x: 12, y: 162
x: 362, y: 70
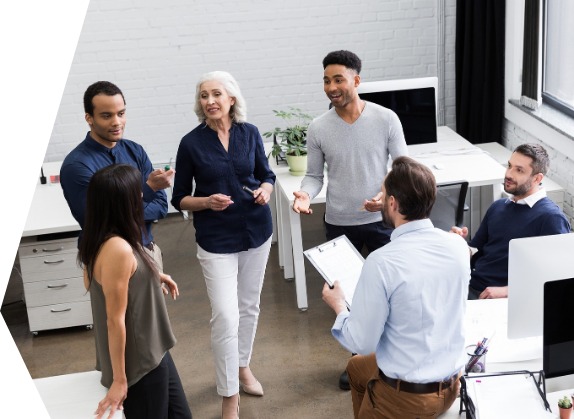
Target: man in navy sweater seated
x: 527, y: 213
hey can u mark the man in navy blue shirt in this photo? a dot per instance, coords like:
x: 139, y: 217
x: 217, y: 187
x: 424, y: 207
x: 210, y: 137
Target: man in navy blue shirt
x: 527, y: 213
x: 105, y: 109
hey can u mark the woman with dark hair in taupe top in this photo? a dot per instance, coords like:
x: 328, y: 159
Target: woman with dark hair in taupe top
x: 131, y: 323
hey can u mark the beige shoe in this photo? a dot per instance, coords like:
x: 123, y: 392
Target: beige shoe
x: 253, y: 389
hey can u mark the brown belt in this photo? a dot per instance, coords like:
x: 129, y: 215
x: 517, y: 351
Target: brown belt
x: 418, y: 388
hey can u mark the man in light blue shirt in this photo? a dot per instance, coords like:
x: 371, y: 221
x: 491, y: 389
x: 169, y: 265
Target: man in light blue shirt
x: 407, y: 317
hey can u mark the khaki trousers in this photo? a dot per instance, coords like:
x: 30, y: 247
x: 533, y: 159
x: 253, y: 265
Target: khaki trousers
x: 374, y: 398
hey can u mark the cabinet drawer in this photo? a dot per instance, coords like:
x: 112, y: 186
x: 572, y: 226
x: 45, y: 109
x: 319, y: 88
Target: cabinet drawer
x: 60, y: 315
x: 41, y: 293
x: 42, y: 248
x: 46, y: 267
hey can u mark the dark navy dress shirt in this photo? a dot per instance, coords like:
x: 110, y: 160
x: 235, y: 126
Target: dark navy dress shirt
x: 205, y: 168
x: 88, y: 157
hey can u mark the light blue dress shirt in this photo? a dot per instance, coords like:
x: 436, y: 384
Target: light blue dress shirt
x: 409, y: 305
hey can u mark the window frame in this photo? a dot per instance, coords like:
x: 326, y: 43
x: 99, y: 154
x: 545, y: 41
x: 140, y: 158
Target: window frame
x: 548, y: 98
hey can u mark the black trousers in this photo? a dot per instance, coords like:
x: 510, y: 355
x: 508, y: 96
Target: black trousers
x: 158, y: 395
x: 372, y: 236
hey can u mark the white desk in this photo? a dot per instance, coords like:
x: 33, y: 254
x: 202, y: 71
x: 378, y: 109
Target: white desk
x: 484, y: 316
x: 73, y: 396
x: 49, y: 211
x: 461, y: 161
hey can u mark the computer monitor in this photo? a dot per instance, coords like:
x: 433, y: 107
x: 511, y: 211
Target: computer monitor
x: 558, y: 331
x: 533, y: 261
x: 413, y: 100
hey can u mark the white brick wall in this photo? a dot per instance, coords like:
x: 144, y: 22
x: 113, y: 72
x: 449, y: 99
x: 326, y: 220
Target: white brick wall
x: 155, y: 51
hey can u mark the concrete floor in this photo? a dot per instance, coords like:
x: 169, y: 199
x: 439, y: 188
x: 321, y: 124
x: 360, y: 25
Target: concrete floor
x: 295, y: 357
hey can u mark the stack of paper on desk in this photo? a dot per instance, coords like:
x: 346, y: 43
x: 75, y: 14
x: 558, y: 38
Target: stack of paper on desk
x: 506, y: 396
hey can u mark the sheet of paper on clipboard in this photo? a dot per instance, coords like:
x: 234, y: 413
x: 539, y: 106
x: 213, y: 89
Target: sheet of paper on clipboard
x: 338, y: 260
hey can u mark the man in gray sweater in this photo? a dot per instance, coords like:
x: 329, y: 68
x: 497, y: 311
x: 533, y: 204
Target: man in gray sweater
x: 354, y: 138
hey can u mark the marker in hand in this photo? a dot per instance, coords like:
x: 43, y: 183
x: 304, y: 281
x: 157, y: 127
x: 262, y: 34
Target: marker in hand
x: 246, y: 189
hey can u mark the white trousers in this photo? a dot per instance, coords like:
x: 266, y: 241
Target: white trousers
x: 234, y: 282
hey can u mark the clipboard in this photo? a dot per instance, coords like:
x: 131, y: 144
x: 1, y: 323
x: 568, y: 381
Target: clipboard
x: 338, y: 260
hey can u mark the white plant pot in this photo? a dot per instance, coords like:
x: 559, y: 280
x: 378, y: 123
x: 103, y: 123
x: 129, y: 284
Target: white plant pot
x: 297, y: 165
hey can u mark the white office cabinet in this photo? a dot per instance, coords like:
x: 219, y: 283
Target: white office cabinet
x: 53, y: 285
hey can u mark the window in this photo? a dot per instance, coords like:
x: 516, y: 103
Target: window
x: 558, y: 55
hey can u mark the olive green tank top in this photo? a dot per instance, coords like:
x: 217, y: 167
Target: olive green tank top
x: 148, y: 329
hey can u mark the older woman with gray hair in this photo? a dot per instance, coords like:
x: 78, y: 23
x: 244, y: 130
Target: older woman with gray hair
x: 223, y: 177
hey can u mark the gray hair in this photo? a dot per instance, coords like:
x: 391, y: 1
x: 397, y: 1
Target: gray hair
x: 238, y: 111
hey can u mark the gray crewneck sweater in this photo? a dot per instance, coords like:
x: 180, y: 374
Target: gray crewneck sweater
x: 357, y: 157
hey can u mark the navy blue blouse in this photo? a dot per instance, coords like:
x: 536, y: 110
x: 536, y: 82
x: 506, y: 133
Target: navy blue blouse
x: 201, y: 158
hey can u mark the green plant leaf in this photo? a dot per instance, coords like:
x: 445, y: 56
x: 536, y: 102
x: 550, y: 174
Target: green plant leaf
x: 291, y: 139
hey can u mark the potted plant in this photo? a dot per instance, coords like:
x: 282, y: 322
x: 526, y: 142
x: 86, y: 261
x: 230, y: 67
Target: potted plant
x: 565, y: 406
x: 292, y: 140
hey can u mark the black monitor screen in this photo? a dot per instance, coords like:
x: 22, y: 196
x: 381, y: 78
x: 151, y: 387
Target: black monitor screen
x: 558, y: 331
x: 416, y: 109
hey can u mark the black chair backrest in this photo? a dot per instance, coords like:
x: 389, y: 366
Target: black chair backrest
x: 449, y: 206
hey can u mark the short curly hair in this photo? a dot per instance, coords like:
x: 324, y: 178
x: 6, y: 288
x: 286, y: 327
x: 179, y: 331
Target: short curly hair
x: 343, y: 57
x: 100, y: 87
x: 238, y: 111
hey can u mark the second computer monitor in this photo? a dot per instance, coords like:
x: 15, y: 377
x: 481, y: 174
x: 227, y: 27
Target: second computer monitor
x: 413, y: 100
x: 558, y: 336
x: 533, y: 261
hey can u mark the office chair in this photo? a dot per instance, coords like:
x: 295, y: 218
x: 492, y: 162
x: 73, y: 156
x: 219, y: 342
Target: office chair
x: 449, y: 206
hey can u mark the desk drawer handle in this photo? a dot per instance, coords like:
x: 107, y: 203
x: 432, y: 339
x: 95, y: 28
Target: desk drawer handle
x: 57, y: 249
x: 57, y: 286
x: 61, y: 311
x: 51, y: 262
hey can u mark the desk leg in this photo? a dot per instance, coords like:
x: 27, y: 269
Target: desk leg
x: 273, y: 208
x: 284, y: 232
x: 298, y: 260
x: 280, y: 226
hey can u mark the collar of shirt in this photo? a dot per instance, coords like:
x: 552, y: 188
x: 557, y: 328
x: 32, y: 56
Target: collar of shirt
x: 530, y: 200
x: 91, y: 143
x: 410, y: 227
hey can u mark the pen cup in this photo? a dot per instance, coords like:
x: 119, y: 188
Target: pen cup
x: 476, y: 362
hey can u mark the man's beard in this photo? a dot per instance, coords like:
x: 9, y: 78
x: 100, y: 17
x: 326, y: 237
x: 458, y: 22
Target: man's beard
x: 386, y: 219
x: 519, y: 190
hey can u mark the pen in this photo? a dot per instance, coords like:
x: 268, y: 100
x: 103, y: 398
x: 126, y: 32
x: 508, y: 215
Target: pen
x: 246, y: 189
